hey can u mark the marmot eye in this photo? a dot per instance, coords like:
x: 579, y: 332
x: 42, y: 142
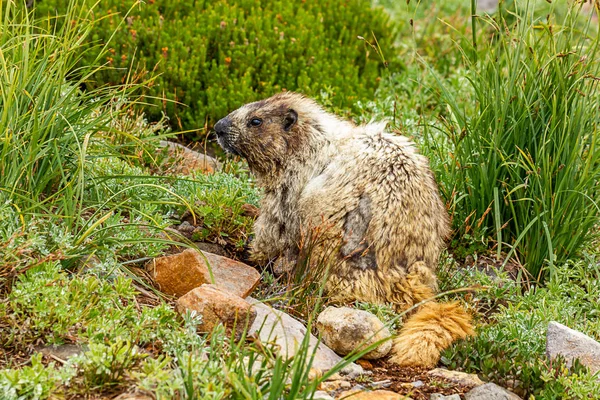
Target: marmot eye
x: 255, y: 122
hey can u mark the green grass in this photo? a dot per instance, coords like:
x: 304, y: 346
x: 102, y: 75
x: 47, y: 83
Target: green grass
x: 523, y: 163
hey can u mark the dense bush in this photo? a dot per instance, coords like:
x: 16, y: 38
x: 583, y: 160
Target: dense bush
x: 211, y: 57
x: 525, y: 165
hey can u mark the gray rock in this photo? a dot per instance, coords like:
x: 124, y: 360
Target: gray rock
x: 488, y: 6
x: 572, y: 344
x: 439, y: 396
x: 346, y: 330
x: 287, y: 333
x: 321, y: 395
x: 62, y: 352
x: 386, y: 383
x: 490, y: 391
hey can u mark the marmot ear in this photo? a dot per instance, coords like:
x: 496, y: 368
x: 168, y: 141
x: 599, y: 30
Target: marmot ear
x: 290, y: 120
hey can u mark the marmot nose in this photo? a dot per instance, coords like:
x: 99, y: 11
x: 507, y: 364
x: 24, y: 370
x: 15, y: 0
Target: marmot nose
x: 222, y: 126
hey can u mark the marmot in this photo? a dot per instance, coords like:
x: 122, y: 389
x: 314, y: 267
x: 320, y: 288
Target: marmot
x: 376, y: 195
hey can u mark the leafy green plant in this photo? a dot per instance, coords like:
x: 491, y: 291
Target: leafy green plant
x: 509, y: 348
x: 35, y: 381
x: 106, y: 365
x: 524, y: 166
x: 212, y: 57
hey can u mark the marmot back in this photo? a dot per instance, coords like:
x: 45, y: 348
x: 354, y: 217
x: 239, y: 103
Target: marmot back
x: 376, y: 196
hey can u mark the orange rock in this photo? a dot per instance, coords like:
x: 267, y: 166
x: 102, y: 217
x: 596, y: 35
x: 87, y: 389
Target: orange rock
x: 366, y: 364
x: 179, y: 273
x: 217, y: 306
x: 233, y: 276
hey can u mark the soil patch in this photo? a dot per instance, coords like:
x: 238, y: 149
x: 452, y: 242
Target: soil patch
x: 409, y: 381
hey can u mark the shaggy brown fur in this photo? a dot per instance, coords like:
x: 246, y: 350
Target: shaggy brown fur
x: 375, y: 193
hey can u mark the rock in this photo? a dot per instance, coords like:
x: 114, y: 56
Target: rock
x: 572, y: 344
x: 374, y: 395
x: 417, y: 384
x: 218, y: 306
x: 179, y: 273
x: 185, y: 160
x: 332, y: 386
x: 490, y: 391
x: 386, y: 383
x: 460, y: 378
x: 346, y: 330
x: 62, y: 352
x: 439, y: 396
x: 134, y: 396
x: 213, y: 248
x: 186, y: 229
x: 321, y: 395
x: 366, y: 364
x: 287, y: 333
x: 488, y: 6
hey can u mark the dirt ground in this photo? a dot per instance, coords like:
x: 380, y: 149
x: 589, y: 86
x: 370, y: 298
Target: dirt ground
x: 412, y: 382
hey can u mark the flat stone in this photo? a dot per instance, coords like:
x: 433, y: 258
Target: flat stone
x: 386, y: 383
x: 572, y: 344
x: 460, y: 378
x: 287, y: 333
x: 179, y: 273
x: 63, y: 351
x: 373, y: 395
x: 346, y: 330
x: 218, y: 306
x: 490, y: 391
x: 185, y: 160
x: 439, y: 396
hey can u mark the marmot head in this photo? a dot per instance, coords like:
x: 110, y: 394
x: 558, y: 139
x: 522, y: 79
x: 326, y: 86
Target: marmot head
x: 267, y: 132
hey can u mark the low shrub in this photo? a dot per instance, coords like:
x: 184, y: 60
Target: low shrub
x: 509, y: 348
x: 212, y: 57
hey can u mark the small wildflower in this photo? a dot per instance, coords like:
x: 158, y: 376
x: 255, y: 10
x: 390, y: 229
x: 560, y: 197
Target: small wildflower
x: 223, y: 24
x: 227, y: 60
